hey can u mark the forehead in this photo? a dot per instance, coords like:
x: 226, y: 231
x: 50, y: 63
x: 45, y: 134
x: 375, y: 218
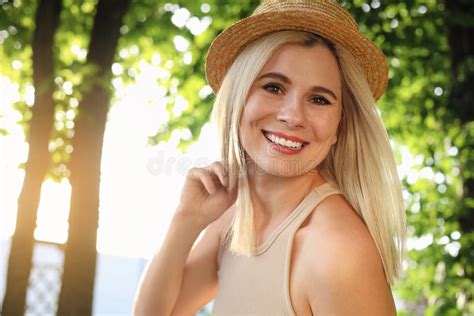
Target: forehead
x: 315, y: 65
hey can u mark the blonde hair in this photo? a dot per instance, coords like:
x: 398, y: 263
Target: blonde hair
x: 361, y: 163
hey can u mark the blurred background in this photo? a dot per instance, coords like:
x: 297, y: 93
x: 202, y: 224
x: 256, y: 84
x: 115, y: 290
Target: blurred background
x: 104, y: 107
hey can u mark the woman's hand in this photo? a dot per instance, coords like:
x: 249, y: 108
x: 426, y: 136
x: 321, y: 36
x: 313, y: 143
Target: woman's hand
x: 206, y: 194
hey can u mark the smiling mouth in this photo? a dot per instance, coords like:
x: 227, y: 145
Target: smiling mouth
x: 295, y: 145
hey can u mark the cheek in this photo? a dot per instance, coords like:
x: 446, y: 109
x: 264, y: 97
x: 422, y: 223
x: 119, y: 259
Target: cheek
x: 248, y: 127
x: 245, y: 129
x: 245, y: 121
x: 258, y: 107
x: 325, y: 128
x: 251, y: 114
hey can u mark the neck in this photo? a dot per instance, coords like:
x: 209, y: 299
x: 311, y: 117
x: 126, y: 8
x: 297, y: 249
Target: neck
x: 274, y: 197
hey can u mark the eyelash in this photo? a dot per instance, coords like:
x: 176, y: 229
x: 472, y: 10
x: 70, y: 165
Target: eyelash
x: 267, y: 87
x: 271, y: 86
x: 323, y: 99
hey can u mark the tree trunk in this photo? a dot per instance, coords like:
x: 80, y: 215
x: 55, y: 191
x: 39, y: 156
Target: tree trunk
x: 80, y: 256
x: 41, y: 124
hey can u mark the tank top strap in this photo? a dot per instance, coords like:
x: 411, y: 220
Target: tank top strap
x: 293, y: 221
x: 318, y: 194
x: 296, y: 218
x: 239, y: 293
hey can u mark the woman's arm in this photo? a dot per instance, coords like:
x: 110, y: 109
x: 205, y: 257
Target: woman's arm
x: 351, y: 281
x: 175, y: 279
x: 344, y: 269
x: 200, y: 280
x: 160, y: 284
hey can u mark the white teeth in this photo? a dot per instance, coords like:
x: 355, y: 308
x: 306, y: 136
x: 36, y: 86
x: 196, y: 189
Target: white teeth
x: 283, y: 142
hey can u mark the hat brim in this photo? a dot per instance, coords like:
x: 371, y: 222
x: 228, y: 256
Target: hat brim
x: 234, y: 39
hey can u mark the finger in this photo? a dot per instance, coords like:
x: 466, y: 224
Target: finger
x: 218, y: 169
x: 208, y: 181
x: 202, y: 176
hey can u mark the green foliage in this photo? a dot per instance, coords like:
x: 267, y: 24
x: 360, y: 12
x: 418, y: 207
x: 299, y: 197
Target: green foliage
x: 191, y: 76
x: 16, y: 30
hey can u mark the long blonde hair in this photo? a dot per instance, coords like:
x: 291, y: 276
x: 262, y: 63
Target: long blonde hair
x: 361, y: 163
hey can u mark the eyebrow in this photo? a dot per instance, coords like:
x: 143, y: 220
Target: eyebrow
x: 285, y: 79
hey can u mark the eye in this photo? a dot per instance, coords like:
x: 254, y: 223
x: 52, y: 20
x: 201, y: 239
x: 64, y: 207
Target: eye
x: 272, y: 88
x: 320, y: 100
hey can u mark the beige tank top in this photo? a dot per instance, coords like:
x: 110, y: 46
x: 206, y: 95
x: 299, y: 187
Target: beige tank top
x: 259, y: 285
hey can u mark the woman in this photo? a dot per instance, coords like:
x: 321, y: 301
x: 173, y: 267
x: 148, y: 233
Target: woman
x: 304, y: 214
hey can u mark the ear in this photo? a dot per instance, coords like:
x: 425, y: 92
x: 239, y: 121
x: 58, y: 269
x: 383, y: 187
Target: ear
x: 334, y: 140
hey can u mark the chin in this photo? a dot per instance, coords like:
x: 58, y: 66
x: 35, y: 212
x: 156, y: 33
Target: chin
x: 286, y: 169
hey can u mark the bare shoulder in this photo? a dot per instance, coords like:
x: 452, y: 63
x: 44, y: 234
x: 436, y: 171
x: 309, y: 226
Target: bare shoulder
x: 345, y: 271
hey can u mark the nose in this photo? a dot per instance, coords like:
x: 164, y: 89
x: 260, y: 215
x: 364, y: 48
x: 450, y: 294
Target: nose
x: 292, y: 112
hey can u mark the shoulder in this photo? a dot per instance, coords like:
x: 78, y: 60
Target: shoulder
x: 341, y: 235
x: 344, y: 269
x: 337, y: 231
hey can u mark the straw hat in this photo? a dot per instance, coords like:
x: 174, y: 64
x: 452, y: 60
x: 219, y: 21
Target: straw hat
x: 322, y: 17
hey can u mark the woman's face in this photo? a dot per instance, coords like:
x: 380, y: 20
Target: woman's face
x: 293, y: 109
